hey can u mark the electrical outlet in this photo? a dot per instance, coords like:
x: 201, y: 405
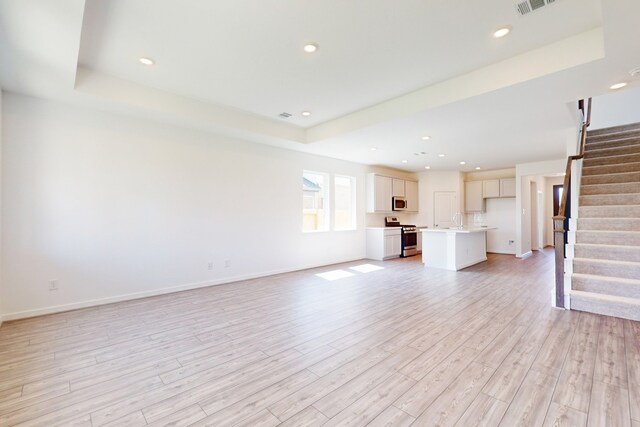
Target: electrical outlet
x: 53, y: 285
x: 227, y: 263
x: 210, y: 266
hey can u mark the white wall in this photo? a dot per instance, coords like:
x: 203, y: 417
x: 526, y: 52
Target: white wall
x: 500, y: 213
x: 111, y: 206
x: 616, y: 108
x: 1, y: 297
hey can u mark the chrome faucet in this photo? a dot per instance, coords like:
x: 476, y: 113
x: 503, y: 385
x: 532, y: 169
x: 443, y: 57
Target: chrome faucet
x: 456, y: 216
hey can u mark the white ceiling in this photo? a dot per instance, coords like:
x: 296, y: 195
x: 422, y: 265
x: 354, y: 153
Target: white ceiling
x: 386, y: 73
x: 248, y: 53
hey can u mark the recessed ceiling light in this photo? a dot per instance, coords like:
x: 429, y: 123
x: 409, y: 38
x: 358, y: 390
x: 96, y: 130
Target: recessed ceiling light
x: 463, y: 163
x: 441, y: 155
x: 478, y: 168
x: 373, y: 148
x: 306, y: 113
x: 426, y: 138
x: 310, y: 47
x: 146, y: 61
x: 427, y: 167
x: 502, y: 31
x: 618, y: 85
x: 405, y: 161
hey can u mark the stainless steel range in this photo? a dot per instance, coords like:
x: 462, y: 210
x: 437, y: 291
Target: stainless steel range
x: 409, y: 241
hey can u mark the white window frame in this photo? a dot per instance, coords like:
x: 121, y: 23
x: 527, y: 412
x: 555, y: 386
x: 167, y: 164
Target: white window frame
x: 354, y: 217
x: 327, y: 208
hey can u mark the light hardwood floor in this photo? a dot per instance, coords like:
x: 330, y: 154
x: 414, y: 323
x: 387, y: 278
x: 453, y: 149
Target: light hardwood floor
x: 399, y: 346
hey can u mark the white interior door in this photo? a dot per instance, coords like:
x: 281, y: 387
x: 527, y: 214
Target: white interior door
x: 445, y: 205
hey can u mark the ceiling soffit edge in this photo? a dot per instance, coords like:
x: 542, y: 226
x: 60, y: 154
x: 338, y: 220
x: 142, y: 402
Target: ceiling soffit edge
x: 570, y: 52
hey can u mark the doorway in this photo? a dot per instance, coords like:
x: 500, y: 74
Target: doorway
x: 557, y: 196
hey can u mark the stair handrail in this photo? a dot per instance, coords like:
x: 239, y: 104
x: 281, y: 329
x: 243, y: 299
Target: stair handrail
x: 560, y: 221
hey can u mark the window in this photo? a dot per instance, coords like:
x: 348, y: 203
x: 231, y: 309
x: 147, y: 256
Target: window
x: 315, y: 201
x: 345, y: 196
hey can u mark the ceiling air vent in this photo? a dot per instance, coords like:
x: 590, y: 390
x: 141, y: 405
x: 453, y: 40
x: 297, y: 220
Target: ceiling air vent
x: 284, y: 115
x: 529, y: 6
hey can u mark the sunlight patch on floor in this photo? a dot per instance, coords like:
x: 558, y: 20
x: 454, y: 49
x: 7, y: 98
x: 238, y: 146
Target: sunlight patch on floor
x: 366, y: 268
x: 335, y: 274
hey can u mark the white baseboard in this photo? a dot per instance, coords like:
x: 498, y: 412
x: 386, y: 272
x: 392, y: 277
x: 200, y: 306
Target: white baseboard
x: 137, y: 295
x: 525, y: 255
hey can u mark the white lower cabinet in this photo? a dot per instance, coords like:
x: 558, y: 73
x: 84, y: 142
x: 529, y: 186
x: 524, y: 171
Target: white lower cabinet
x: 392, y: 246
x: 384, y: 243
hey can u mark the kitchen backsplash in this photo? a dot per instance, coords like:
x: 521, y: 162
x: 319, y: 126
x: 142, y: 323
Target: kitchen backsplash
x: 476, y: 218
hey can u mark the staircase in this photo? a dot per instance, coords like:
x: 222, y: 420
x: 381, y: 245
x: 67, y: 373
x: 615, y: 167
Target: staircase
x: 606, y: 264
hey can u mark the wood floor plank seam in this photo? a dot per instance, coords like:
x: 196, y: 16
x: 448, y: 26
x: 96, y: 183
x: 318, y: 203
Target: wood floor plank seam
x: 564, y: 361
x: 482, y: 321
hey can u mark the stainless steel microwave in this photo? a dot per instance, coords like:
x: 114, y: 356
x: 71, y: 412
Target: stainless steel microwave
x: 399, y: 204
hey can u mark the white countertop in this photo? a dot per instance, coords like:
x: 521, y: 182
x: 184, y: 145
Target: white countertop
x: 458, y: 230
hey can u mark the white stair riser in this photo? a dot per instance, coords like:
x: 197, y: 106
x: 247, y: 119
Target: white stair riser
x: 606, y: 189
x: 608, y: 151
x: 612, y: 160
x: 605, y: 252
x: 607, y: 169
x: 606, y: 287
x: 609, y: 224
x: 615, y: 143
x: 608, y: 238
x: 630, y: 211
x: 611, y: 132
x: 603, y: 268
x: 607, y: 308
x: 610, y: 200
x: 631, y: 177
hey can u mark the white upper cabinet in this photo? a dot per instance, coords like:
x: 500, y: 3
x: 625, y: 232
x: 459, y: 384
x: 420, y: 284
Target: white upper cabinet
x: 382, y: 189
x: 487, y: 189
x: 473, y: 200
x: 398, y: 188
x: 379, y: 193
x: 508, y: 187
x: 411, y: 193
x: 491, y: 188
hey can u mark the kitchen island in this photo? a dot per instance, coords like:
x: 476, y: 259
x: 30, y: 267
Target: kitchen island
x: 454, y: 248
